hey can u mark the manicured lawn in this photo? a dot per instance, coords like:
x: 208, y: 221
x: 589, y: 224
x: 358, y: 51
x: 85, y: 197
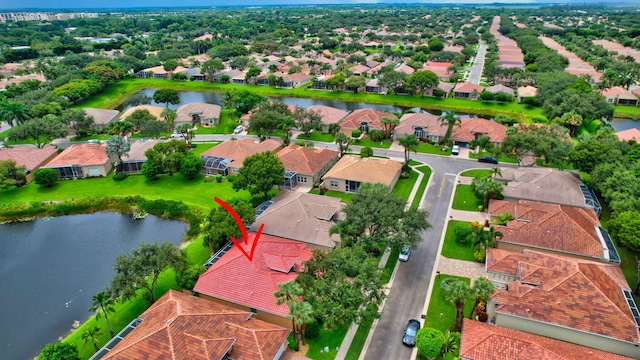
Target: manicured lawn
x: 345, y: 197
x: 477, y: 173
x: 454, y: 249
x: 465, y: 198
x: 502, y: 158
x: 432, y: 149
x: 404, y: 186
x: 225, y: 126
x: 192, y: 192
x: 367, y: 142
x: 390, y: 265
x: 202, y: 147
x: 423, y: 185
x: 316, y: 136
x: 629, y: 112
x: 329, y: 338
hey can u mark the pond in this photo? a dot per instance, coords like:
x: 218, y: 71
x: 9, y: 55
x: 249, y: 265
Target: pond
x: 187, y: 97
x: 624, y: 124
x: 51, y: 267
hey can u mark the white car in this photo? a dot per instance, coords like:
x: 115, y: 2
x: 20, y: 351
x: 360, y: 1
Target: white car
x: 238, y: 129
x: 177, y: 135
x: 455, y: 150
x: 404, y: 253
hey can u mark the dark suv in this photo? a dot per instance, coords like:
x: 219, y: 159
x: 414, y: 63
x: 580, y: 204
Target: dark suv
x: 487, y: 159
x: 410, y: 332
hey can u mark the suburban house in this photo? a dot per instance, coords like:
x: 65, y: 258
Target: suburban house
x: 372, y: 87
x: 235, y: 281
x: 31, y: 158
x: 429, y: 127
x: 230, y: 74
x: 329, y: 115
x: 226, y: 158
x: 80, y: 161
x: 305, y: 165
x: 132, y: 162
x: 359, y: 70
x: 405, y: 69
x: 474, y: 128
x: 563, y: 230
x: 547, y: 185
x: 101, y: 117
x: 629, y: 134
x: 442, y: 86
x: 467, y: 90
x: 424, y: 126
x: 579, y: 301
x: 156, y: 111
x: 526, y: 92
x: 158, y: 72
x: 182, y: 326
x: 352, y: 171
x: 302, y: 217
x: 364, y: 120
x: 439, y: 68
x: 618, y: 95
x: 319, y: 83
x: 198, y: 113
x: 497, y: 89
x: 293, y: 80
x: 482, y: 341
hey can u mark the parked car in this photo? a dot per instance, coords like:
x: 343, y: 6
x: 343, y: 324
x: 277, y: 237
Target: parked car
x: 404, y: 253
x: 487, y: 159
x: 410, y: 332
x: 238, y: 129
x: 93, y: 141
x: 176, y: 135
x: 455, y: 150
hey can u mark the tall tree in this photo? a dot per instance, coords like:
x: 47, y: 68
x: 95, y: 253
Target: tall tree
x: 286, y: 123
x: 449, y: 119
x: 410, y: 143
x: 103, y: 304
x: 59, y: 351
x: 219, y: 224
x: 259, y: 174
x: 307, y: 120
x: 456, y: 292
x: 166, y: 96
x: 118, y: 147
x: 142, y: 268
x: 486, y: 189
x: 78, y: 121
x: 13, y: 113
x: 300, y: 311
x: 11, y: 175
x: 422, y: 80
x: 626, y: 228
x: 169, y: 115
x: 41, y: 130
x: 210, y: 67
x: 229, y: 101
x: 481, y: 291
x: 185, y: 130
x: 92, y: 335
x: 389, y: 124
x: 344, y: 142
x: 266, y: 119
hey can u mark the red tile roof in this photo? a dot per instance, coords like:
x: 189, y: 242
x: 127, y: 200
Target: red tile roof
x: 238, y: 150
x: 467, y: 87
x: 569, y: 292
x: 371, y: 116
x: 550, y: 226
x: 306, y: 160
x: 482, y: 341
x: 629, y: 134
x: 180, y: 326
x: 470, y: 127
x: 29, y: 157
x: 330, y: 115
x: 234, y: 278
x: 81, y: 154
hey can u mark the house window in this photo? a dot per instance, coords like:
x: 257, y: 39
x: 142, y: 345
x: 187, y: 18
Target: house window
x: 235, y: 170
x: 610, y: 100
x: 94, y: 172
x: 253, y: 311
x: 419, y: 132
x: 334, y: 184
x: 364, y: 127
x: 302, y: 179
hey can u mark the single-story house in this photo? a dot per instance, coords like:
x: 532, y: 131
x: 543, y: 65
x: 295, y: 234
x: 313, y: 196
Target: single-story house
x: 373, y: 87
x: 563, y: 230
x: 359, y: 70
x: 442, y: 86
x: 526, y: 92
x: 183, y: 326
x: 618, y: 95
x: 227, y: 158
x: 156, y: 111
x: 547, y: 185
x: 81, y: 161
x: 302, y: 217
x: 195, y: 74
x: 352, y: 171
x: 31, y: 158
x: 319, y: 83
x: 305, y: 165
x: 20, y: 79
x: 158, y: 72
x: 294, y: 80
x: 405, y: 69
x: 424, y: 126
x: 482, y: 341
x: 474, y: 128
x: 467, y: 90
x: 579, y: 301
x: 198, y: 113
x: 364, y: 120
x: 132, y: 162
x: 235, y: 281
x: 441, y: 69
x: 629, y: 134
x: 497, y: 89
x: 329, y: 115
x: 101, y: 117
x: 217, y: 77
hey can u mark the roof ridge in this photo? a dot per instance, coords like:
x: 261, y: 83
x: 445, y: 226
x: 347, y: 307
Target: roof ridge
x: 607, y: 297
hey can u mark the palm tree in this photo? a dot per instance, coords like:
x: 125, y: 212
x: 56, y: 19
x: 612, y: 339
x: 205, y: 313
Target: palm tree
x: 484, y: 238
x: 456, y: 292
x: 11, y: 112
x: 449, y: 118
x: 103, y: 303
x: 118, y: 147
x: 301, y: 313
x: 481, y: 292
x: 229, y: 101
x: 343, y: 142
x: 286, y: 123
x: 409, y: 142
x: 389, y: 125
x: 289, y: 293
x: 92, y: 335
x: 169, y: 115
x: 496, y: 171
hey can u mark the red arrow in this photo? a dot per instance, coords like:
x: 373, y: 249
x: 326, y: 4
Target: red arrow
x: 243, y: 230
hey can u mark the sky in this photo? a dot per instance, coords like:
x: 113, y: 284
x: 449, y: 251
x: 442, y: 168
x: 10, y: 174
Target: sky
x: 112, y: 4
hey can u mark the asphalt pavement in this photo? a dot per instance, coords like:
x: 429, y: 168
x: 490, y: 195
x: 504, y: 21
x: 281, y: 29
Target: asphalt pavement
x: 476, y: 69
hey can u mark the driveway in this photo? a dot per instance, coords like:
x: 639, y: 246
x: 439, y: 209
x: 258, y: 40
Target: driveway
x: 476, y: 69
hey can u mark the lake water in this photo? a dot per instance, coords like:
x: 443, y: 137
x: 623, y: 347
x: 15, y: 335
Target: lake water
x: 51, y: 267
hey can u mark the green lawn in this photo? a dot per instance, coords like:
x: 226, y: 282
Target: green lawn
x: 225, y: 126
x: 316, y: 136
x: 423, y: 185
x: 202, y: 147
x: 432, y: 149
x: 367, y: 142
x: 465, y: 198
x: 502, y: 158
x: 331, y: 338
x: 627, y: 112
x: 454, y: 249
x: 192, y: 192
x: 477, y: 173
x: 404, y: 186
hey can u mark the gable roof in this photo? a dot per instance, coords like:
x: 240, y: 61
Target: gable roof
x: 500, y: 89
x: 617, y: 92
x: 371, y: 116
x: 527, y: 91
x: 629, y: 134
x: 365, y: 170
x: 252, y: 283
x: 206, y: 111
x: 429, y: 123
x: 563, y: 291
x: 329, y: 115
x: 101, y: 116
x: 28, y: 157
x: 82, y: 155
x: 302, y: 217
x: 482, y: 341
x: 542, y: 184
x: 550, y: 226
x: 306, y: 160
x: 136, y: 152
x: 467, y: 87
x: 470, y: 127
x: 359, y: 68
x: 238, y: 150
x: 181, y: 326
x: 153, y: 110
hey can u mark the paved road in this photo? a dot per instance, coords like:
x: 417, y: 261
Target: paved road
x: 476, y: 69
